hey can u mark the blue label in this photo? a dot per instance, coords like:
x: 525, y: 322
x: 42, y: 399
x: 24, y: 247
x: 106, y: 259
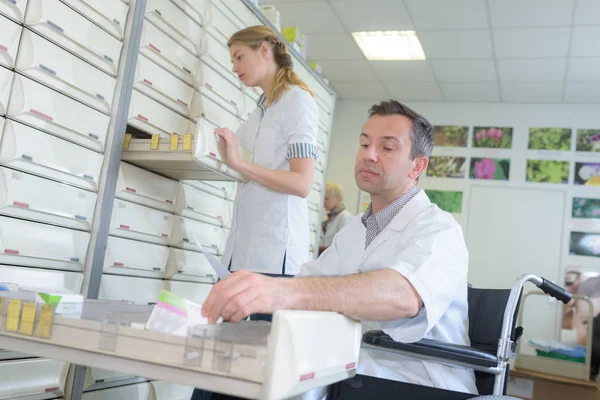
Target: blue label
x: 81, y: 218
x: 109, y: 59
x: 156, y: 269
x: 53, y: 25
x: 116, y: 22
x: 13, y: 2
x: 75, y: 259
x: 98, y: 95
x: 158, y: 12
x: 26, y: 157
x: 190, y: 208
x: 93, y: 136
x: 48, y: 70
x: 88, y: 177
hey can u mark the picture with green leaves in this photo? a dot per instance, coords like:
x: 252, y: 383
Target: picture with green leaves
x: 550, y: 139
x: 588, y: 140
x: 547, y: 171
x: 490, y: 168
x: 446, y: 167
x: 492, y: 137
x: 447, y: 200
x: 586, y: 208
x: 450, y: 136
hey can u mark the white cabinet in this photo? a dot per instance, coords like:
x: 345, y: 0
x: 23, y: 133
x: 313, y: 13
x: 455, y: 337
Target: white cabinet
x: 170, y: 19
x: 222, y: 91
x: 133, y: 221
x: 110, y: 15
x: 9, y: 41
x: 143, y: 187
x: 38, y: 153
x: 314, y: 200
x: 205, y: 107
x: 35, y: 378
x: 133, y: 258
x: 203, y: 206
x: 221, y: 25
x: 43, y: 280
x: 44, y: 61
x: 72, y: 31
x: 224, y: 189
x: 198, y: 10
x: 39, y: 245
x: 188, y: 232
x: 216, y: 54
x: 14, y: 9
x: 139, y: 391
x: 196, y: 292
x: 160, y: 390
x: 184, y: 265
x: 6, y: 79
x: 33, y: 198
x: 39, y: 106
x: 125, y: 288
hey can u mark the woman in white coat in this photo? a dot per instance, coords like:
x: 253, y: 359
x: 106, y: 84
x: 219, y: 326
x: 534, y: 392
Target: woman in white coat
x: 337, y: 215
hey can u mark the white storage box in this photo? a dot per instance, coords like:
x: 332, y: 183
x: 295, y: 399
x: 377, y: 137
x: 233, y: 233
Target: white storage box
x: 160, y: 390
x: 39, y: 106
x: 324, y: 118
x: 162, y: 86
x: 133, y: 221
x: 42, y: 280
x: 198, y: 10
x: 14, y: 9
x: 216, y: 54
x: 221, y: 25
x: 170, y: 19
x: 9, y: 41
x: 192, y: 291
x: 168, y: 53
x: 133, y: 258
x: 204, y: 107
x: 254, y: 94
x: 38, y: 153
x: 320, y: 164
x: 30, y: 197
x: 186, y: 231
x: 222, y: 91
x: 61, y: 70
x: 194, y: 158
x: 125, y: 288
x: 314, y: 200
x: 202, y: 206
x: 110, y: 15
x: 323, y: 96
x: 99, y: 376
x: 143, y: 187
x: 156, y: 119
x: 39, y: 245
x: 72, y: 31
x: 38, y: 378
x: 239, y: 13
x: 224, y: 189
x: 322, y: 141
x: 6, y: 79
x: 191, y: 266
x: 139, y: 391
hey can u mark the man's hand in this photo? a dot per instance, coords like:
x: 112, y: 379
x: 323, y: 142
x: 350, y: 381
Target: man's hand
x: 244, y: 293
x: 230, y: 146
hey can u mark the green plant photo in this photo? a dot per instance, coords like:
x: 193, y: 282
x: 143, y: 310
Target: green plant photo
x: 547, y: 171
x: 550, y: 139
x: 450, y: 136
x: 446, y: 167
x: 447, y: 200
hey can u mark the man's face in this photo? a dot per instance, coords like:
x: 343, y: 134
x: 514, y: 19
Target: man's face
x: 383, y: 163
x: 582, y: 309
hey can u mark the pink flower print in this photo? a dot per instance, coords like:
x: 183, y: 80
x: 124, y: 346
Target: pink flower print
x: 495, y: 133
x: 480, y: 135
x: 582, y: 202
x: 485, y: 169
x: 578, y: 212
x: 596, y: 212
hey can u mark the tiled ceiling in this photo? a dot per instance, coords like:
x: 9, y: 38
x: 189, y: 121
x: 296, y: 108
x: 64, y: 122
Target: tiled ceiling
x: 477, y: 50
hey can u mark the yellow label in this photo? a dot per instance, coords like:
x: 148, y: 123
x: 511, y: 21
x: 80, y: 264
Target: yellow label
x: 13, y: 313
x: 1, y: 311
x: 174, y: 142
x: 28, y: 318
x: 127, y: 141
x: 154, y: 144
x: 44, y: 328
x: 187, y: 141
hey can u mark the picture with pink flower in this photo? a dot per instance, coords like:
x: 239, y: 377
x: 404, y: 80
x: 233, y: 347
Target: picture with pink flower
x: 490, y: 168
x: 588, y: 140
x: 586, y: 208
x: 492, y: 137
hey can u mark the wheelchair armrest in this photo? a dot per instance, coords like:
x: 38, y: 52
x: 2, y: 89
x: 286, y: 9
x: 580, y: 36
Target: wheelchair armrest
x: 433, y: 348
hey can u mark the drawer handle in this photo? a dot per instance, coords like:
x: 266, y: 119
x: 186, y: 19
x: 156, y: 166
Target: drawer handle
x: 56, y: 27
x: 48, y: 70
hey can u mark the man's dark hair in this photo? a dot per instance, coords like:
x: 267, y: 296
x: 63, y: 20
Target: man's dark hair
x: 421, y: 134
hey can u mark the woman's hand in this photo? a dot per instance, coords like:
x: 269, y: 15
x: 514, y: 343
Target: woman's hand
x: 228, y: 147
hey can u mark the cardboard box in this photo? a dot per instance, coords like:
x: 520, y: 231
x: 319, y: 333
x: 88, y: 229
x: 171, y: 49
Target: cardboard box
x: 533, y: 385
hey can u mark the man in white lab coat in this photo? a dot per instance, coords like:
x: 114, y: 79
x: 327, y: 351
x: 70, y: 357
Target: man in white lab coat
x: 400, y: 267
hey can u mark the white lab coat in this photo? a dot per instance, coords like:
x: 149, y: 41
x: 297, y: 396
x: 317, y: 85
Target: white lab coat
x: 334, y: 226
x: 426, y: 245
x: 267, y: 225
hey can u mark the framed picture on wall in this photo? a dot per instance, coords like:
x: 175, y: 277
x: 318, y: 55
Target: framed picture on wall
x: 587, y: 173
x: 492, y: 137
x: 490, y: 168
x: 447, y: 200
x: 547, y: 171
x: 450, y: 136
x: 550, y: 139
x: 585, y: 208
x: 585, y: 282
x: 446, y: 167
x: 588, y: 140
x: 585, y: 244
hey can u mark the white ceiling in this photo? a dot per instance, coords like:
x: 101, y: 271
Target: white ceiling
x: 477, y: 50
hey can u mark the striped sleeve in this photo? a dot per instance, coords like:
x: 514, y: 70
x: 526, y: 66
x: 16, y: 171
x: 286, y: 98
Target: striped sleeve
x: 302, y: 150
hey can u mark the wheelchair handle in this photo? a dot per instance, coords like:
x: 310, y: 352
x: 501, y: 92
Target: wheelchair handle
x: 554, y: 290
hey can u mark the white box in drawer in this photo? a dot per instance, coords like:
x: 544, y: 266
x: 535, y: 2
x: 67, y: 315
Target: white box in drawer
x: 324, y: 118
x: 95, y: 376
x: 184, y: 265
x: 314, y: 200
x: 42, y: 200
x: 174, y: 22
x: 42, y: 280
x: 38, y: 153
x: 6, y: 80
x: 320, y: 164
x: 254, y: 94
x: 70, y: 30
x: 34, y: 378
x: 9, y: 41
x: 203, y: 206
x: 39, y: 106
x: 216, y: 54
x: 185, y: 232
x: 132, y: 392
x: 237, y: 11
x: 317, y: 185
x: 133, y: 258
x: 133, y: 221
x: 110, y: 15
x: 222, y: 91
x: 61, y: 70
x: 162, y: 86
x: 14, y: 9
x: 224, y: 189
x: 156, y: 119
x: 168, y: 53
x: 205, y: 108
x: 137, y: 290
x: 146, y: 188
x: 222, y: 26
x: 160, y: 390
x: 198, y: 10
x: 39, y: 245
x: 322, y: 140
x: 193, y: 291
